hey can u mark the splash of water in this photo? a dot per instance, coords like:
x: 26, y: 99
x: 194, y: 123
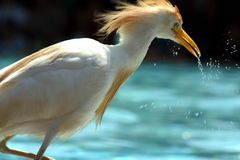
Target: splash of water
x: 200, y: 67
x: 175, y: 50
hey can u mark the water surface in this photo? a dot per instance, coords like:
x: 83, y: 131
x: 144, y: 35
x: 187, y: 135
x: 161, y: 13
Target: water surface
x: 163, y: 112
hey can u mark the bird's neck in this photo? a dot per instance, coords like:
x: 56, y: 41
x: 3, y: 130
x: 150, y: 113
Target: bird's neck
x: 135, y: 43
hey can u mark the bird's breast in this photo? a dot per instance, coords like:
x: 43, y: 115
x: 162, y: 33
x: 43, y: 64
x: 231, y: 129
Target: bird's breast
x: 118, y: 80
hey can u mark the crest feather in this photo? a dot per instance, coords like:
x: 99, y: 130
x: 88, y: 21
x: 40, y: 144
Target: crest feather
x: 158, y: 2
x: 128, y: 13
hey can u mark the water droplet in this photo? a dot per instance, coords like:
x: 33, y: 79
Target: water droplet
x: 197, y: 114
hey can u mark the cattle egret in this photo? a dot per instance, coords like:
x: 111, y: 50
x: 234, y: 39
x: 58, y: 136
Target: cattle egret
x: 60, y: 89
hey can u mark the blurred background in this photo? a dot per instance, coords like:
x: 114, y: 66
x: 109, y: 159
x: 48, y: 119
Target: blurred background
x: 26, y: 26
x: 172, y: 108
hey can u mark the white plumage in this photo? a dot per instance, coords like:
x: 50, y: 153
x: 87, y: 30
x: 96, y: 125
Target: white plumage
x: 70, y: 77
x: 58, y: 90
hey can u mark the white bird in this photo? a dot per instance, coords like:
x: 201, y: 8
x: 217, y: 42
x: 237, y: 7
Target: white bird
x: 58, y: 90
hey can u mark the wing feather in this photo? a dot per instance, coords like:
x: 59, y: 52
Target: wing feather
x: 49, y: 80
x: 51, y: 50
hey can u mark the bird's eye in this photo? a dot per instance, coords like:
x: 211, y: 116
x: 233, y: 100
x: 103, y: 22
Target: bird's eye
x: 176, y: 26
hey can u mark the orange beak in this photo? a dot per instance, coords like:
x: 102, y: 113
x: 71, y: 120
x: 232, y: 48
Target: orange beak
x: 185, y: 40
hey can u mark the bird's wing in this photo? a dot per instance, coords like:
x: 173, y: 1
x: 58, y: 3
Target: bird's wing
x: 70, y: 52
x: 38, y: 86
x: 23, y: 63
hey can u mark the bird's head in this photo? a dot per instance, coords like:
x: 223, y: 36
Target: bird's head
x: 170, y: 27
x: 157, y: 16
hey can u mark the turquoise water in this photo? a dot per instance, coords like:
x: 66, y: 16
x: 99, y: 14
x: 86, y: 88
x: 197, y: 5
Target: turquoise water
x: 163, y: 112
